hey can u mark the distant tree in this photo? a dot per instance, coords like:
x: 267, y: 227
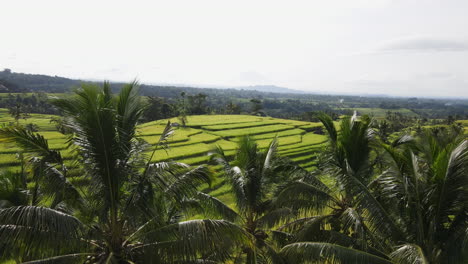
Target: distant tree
x: 60, y: 125
x: 450, y: 120
x: 256, y: 106
x: 197, y: 104
x: 158, y: 108
x: 32, y: 127
x: 312, y: 116
x: 17, y: 112
x: 232, y: 108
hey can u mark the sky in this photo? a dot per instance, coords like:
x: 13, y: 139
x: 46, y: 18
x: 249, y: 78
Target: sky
x: 392, y: 47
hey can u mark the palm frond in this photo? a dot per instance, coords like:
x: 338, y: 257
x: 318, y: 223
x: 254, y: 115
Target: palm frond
x: 129, y: 110
x: 69, y: 258
x: 30, y: 142
x: 216, y: 207
x: 329, y: 126
x: 162, y: 143
x: 409, y: 254
x: 54, y: 184
x: 195, y: 238
x: 275, y: 216
x: 310, y: 252
x: 452, y: 183
x: 218, y: 156
x: 403, y: 139
x: 271, y: 153
x: 301, y: 195
x: 186, y: 184
x: 311, y: 228
x: 39, y: 231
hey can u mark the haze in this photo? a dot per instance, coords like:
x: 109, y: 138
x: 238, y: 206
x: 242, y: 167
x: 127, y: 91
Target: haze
x: 401, y: 47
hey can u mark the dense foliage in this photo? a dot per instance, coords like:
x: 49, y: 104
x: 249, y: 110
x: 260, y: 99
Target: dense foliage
x: 374, y: 198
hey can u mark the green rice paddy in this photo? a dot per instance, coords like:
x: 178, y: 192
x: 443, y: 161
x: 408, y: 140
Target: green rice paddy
x: 189, y: 144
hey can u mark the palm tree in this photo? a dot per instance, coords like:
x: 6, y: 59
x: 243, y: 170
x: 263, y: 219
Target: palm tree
x: 414, y: 212
x: 130, y: 209
x: 12, y: 190
x: 253, y: 175
x: 426, y: 185
x: 344, y: 221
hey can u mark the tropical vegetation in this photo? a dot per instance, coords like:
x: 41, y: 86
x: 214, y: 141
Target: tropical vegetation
x: 368, y: 197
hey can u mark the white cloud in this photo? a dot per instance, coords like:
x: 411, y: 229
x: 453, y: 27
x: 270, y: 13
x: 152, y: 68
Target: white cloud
x: 425, y: 44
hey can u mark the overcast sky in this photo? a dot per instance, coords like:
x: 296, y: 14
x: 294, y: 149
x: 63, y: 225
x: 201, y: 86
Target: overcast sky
x: 396, y: 47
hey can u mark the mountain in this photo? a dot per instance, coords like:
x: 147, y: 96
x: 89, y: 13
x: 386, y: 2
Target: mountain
x: 270, y: 89
x: 37, y: 82
x: 8, y: 87
x: 56, y: 84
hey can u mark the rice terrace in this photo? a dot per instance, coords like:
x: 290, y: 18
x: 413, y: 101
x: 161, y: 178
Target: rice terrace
x: 191, y: 144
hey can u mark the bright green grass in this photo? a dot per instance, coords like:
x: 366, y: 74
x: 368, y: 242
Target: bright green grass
x: 288, y: 121
x: 41, y: 120
x: 308, y: 164
x: 309, y: 140
x: 284, y: 133
x: 239, y: 125
x: 285, y: 151
x: 8, y: 159
x: 186, y: 151
x: 207, y: 120
x: 198, y: 138
x: 283, y: 141
x: 301, y: 152
x: 148, y: 130
x: 310, y: 126
x: 252, y: 131
x: 303, y: 159
x: 179, y: 135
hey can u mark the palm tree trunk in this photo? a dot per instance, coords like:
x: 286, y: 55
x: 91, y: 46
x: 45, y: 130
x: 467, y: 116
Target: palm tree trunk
x: 251, y: 257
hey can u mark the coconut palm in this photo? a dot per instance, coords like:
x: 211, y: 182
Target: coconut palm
x: 421, y: 198
x: 130, y: 208
x: 344, y: 221
x: 253, y: 175
x: 426, y: 185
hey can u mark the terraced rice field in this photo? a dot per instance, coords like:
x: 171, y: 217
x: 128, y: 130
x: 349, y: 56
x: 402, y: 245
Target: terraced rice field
x: 202, y: 133
x: 192, y: 143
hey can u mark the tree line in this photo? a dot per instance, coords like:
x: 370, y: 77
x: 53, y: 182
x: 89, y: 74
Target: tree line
x: 281, y: 105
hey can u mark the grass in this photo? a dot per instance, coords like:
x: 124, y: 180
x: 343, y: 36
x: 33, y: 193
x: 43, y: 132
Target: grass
x: 207, y: 120
x: 41, y: 120
x: 284, y: 133
x: 239, y: 125
x: 229, y: 133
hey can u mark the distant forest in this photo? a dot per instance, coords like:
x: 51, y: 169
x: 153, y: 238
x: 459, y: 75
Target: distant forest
x: 170, y: 101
